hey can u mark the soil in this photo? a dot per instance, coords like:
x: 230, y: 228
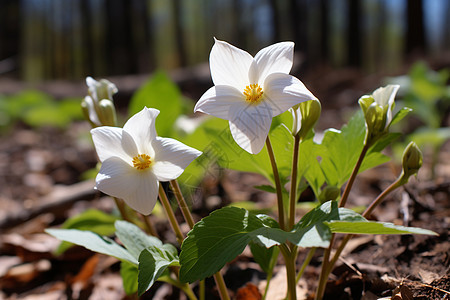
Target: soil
x: 42, y: 184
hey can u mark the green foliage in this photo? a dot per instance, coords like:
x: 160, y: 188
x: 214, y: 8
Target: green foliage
x: 161, y: 93
x: 366, y: 227
x: 153, y: 262
x: 149, y: 253
x: 220, y: 237
x: 93, y: 242
x: 38, y: 109
x: 129, y: 274
x: 91, y: 219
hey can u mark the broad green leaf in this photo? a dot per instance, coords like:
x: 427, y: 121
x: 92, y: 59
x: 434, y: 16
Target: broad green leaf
x: 214, y: 241
x: 220, y: 237
x: 129, y: 274
x: 309, y: 166
x: 94, y: 242
x: 160, y: 93
x: 153, y: 261
x: 340, y: 149
x: 92, y: 220
x: 134, y: 239
x: 368, y: 227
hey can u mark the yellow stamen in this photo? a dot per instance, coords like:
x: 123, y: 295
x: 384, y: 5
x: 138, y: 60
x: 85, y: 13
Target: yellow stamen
x: 253, y: 93
x: 141, y: 162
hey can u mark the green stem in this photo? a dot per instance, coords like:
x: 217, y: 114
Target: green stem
x: 355, y: 171
x: 276, y: 178
x: 289, y: 259
x: 396, y: 184
x: 201, y: 289
x: 170, y: 214
x: 305, y: 263
x: 150, y: 229
x: 190, y: 220
x: 324, y: 271
x: 182, y: 203
x: 122, y: 209
x: 293, y: 191
x: 223, y: 292
x: 182, y: 286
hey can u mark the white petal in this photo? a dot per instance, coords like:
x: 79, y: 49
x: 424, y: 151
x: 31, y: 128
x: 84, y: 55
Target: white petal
x: 282, y: 91
x: 277, y: 58
x: 229, y: 65
x: 249, y: 125
x: 385, y: 96
x: 141, y: 127
x: 171, y: 158
x: 139, y: 189
x: 217, y: 101
x: 92, y: 112
x: 145, y: 196
x: 108, y: 142
x: 129, y: 146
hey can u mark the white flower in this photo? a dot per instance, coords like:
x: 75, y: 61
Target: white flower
x: 100, y: 96
x: 250, y: 91
x: 384, y: 97
x: 134, y: 160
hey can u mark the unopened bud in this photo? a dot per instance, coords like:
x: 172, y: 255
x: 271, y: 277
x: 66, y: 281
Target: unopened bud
x: 107, y: 113
x: 305, y: 116
x: 377, y: 109
x: 103, y: 89
x: 411, y: 161
x: 330, y: 192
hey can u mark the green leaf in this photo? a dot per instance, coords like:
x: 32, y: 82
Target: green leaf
x: 340, y: 149
x: 129, y: 274
x: 368, y: 227
x: 266, y: 188
x: 160, y: 93
x: 263, y: 256
x: 134, y: 239
x: 91, y: 219
x: 400, y: 115
x: 93, y: 242
x: 214, y: 241
x: 309, y: 166
x: 153, y: 261
x: 221, y: 236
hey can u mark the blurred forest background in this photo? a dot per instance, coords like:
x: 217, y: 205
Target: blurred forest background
x: 71, y: 39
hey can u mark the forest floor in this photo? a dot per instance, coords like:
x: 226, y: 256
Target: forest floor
x: 42, y: 185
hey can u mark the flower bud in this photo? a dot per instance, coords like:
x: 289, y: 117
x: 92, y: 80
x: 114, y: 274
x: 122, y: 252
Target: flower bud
x: 108, y: 113
x: 305, y: 116
x: 377, y: 109
x: 330, y: 192
x: 98, y: 106
x: 103, y: 89
x: 411, y: 161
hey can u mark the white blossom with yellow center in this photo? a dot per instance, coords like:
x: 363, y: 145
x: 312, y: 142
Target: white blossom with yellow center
x: 134, y: 160
x: 249, y: 91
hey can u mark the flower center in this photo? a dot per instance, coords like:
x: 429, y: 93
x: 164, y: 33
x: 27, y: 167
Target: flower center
x: 141, y: 161
x: 253, y: 93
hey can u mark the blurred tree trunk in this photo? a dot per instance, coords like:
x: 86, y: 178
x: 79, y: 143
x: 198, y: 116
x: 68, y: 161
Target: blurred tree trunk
x: 179, y: 35
x: 324, y: 31
x: 275, y: 20
x: 354, y: 33
x: 415, y: 30
x: 86, y: 26
x: 9, y: 35
x: 299, y: 22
